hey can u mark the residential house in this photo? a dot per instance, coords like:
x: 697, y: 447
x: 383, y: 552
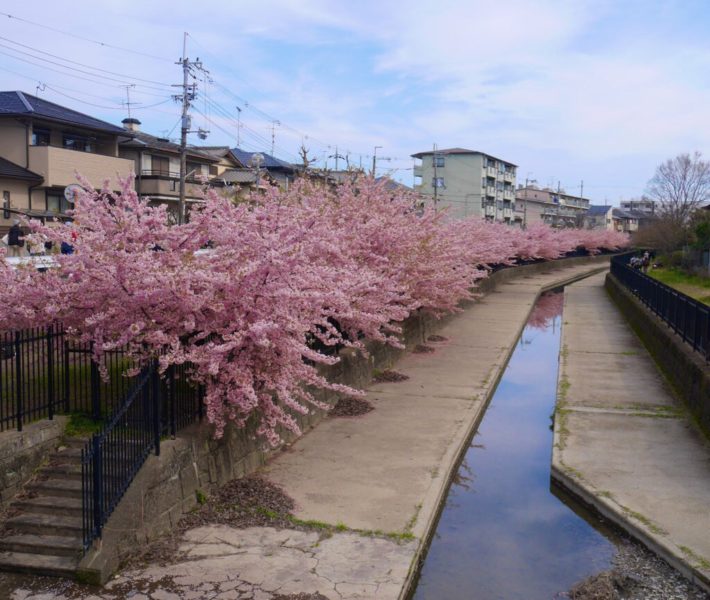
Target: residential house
x: 467, y: 183
x: 611, y: 218
x: 156, y: 163
x: 42, y: 146
x: 555, y: 208
x: 281, y: 172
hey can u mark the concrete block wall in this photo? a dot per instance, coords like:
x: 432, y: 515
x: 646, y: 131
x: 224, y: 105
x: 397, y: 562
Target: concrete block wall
x: 687, y: 372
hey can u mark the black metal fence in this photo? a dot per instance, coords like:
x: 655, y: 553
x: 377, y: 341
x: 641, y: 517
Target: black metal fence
x: 686, y: 316
x: 42, y: 373
x: 153, y: 408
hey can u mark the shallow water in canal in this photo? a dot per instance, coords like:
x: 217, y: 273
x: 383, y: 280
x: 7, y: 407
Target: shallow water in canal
x: 503, y: 534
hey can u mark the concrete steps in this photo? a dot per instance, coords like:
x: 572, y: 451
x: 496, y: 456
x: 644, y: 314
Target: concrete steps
x: 43, y: 535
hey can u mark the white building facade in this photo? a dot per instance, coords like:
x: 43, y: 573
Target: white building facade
x: 467, y: 183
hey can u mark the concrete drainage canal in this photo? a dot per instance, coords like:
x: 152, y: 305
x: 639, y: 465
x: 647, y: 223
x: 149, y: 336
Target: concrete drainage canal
x: 505, y: 532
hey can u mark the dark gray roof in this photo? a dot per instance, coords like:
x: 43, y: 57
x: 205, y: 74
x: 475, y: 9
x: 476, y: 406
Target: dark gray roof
x: 391, y: 184
x: 22, y: 104
x: 597, y: 210
x: 447, y: 151
x: 270, y: 162
x: 158, y: 143
x: 12, y: 171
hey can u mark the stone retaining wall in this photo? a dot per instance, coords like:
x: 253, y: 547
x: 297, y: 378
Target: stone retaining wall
x: 21, y: 452
x: 687, y: 372
x: 167, y: 486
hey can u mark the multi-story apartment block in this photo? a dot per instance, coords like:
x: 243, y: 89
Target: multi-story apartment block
x: 552, y: 207
x: 42, y: 146
x: 467, y: 182
x: 643, y: 205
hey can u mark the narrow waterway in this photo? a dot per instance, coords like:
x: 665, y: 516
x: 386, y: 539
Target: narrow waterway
x: 503, y: 534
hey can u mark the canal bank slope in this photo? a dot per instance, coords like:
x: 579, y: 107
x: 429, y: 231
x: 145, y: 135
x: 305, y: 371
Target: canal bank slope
x: 623, y: 443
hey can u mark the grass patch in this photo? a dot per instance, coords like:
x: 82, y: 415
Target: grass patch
x: 695, y: 286
x: 650, y: 525
x: 79, y: 425
x: 699, y: 560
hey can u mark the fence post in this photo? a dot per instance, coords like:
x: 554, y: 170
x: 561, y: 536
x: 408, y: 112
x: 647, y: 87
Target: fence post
x: 98, y: 491
x: 66, y: 373
x: 172, y: 400
x: 50, y: 371
x: 18, y: 381
x: 156, y: 400
x: 95, y: 388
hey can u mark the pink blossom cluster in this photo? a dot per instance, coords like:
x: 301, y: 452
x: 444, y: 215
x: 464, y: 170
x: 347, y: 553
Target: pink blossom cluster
x: 248, y: 293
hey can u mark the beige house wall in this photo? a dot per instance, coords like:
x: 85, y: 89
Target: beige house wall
x: 14, y: 138
x: 19, y: 199
x: 59, y: 166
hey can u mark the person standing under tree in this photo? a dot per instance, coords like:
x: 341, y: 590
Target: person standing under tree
x: 15, y: 239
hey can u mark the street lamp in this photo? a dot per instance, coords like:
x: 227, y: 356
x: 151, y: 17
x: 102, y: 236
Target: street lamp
x: 525, y: 199
x: 374, y: 161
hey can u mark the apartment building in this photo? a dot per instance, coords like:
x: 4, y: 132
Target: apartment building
x: 467, y: 183
x: 555, y: 208
x: 42, y: 146
x: 642, y: 205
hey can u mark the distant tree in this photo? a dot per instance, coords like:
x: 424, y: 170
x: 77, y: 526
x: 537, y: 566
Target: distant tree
x: 305, y: 159
x: 680, y: 186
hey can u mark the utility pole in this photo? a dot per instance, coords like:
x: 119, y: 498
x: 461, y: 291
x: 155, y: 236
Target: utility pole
x: 189, y: 91
x: 273, y: 135
x: 374, y: 162
x: 525, y: 199
x: 239, y: 125
x: 436, y: 179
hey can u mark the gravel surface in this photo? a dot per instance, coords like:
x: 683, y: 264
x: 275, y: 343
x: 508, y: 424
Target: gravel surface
x: 637, y: 574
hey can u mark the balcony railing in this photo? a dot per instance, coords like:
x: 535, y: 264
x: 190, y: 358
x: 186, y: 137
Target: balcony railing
x: 58, y: 166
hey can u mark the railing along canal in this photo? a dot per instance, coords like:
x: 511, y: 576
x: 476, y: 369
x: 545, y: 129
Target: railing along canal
x: 686, y: 316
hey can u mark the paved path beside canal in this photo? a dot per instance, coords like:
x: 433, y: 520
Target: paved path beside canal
x: 385, y: 472
x: 622, y: 441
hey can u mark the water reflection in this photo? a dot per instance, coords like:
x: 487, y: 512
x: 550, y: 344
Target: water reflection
x: 502, y: 534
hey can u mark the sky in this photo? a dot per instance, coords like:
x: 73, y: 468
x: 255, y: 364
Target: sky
x: 599, y: 91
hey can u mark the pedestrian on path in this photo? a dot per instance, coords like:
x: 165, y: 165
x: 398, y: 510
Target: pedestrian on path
x: 15, y: 239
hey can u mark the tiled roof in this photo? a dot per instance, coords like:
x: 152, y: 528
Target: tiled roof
x: 597, y: 210
x: 156, y: 143
x: 22, y: 104
x: 12, y: 171
x: 270, y: 162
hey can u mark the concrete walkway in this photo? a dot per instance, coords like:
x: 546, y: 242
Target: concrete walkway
x: 623, y: 442
x: 385, y: 472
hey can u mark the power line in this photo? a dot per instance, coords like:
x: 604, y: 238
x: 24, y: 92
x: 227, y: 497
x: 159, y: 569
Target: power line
x: 79, y: 37
x: 76, y: 62
x: 63, y: 66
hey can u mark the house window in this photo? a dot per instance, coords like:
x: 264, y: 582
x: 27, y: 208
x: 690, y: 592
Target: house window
x: 438, y: 161
x: 56, y: 202
x: 40, y: 137
x: 82, y: 143
x: 160, y: 165
x: 5, y: 205
x: 437, y: 182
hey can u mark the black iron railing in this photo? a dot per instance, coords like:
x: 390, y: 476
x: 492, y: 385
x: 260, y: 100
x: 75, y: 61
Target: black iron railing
x: 689, y: 318
x: 42, y: 374
x: 153, y: 408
